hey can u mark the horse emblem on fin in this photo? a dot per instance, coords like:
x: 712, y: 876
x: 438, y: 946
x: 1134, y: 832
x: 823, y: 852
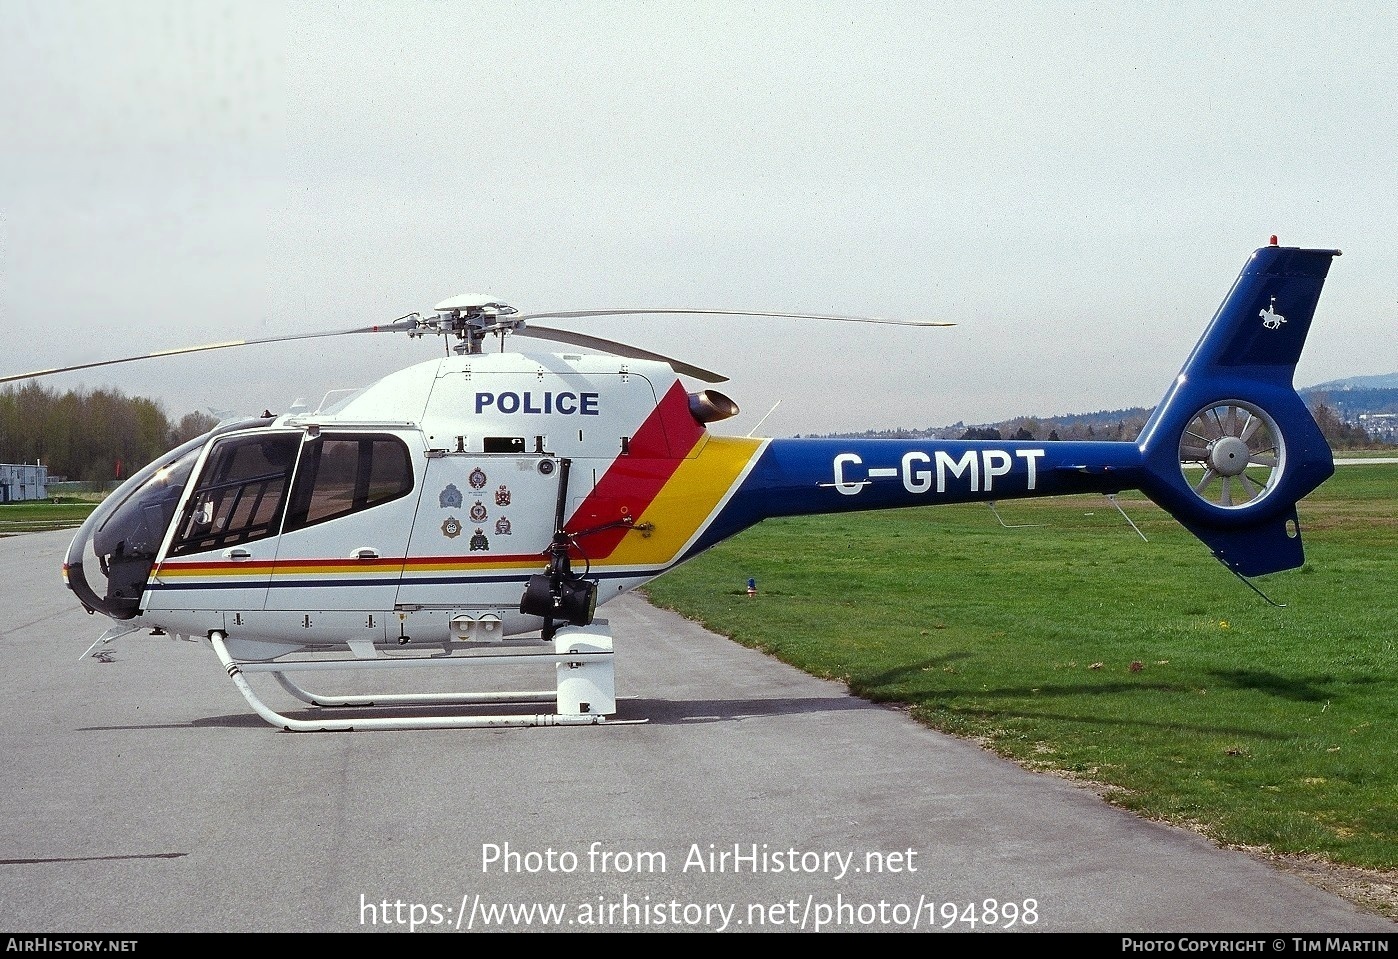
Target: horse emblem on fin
x: 1271, y: 319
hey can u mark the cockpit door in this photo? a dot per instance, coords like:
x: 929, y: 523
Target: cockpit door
x: 222, y: 547
x: 347, y: 523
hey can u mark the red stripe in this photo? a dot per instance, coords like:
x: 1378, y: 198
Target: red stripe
x: 633, y: 481
x: 670, y: 430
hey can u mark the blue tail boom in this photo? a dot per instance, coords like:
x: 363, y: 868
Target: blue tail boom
x: 1228, y: 452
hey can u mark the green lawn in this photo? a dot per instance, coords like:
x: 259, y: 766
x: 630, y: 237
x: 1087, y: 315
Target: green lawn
x: 56, y: 513
x: 1069, y: 644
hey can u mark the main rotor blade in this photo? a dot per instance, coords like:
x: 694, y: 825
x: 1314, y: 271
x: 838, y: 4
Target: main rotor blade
x: 621, y: 349
x: 403, y: 323
x: 575, y: 314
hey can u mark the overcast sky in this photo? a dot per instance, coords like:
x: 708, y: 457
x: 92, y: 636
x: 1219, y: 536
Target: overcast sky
x: 1076, y: 185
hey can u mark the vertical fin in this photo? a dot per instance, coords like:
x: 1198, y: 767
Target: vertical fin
x: 1245, y: 363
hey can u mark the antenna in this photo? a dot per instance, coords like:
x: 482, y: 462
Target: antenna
x: 991, y: 504
x: 764, y: 418
x: 1112, y: 498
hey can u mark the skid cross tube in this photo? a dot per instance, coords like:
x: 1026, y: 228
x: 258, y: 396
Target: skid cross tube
x: 566, y: 661
x: 408, y: 699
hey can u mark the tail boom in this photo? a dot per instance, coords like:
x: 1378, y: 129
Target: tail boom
x: 798, y: 477
x: 1228, y: 452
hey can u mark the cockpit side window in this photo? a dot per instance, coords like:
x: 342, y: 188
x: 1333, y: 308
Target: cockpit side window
x: 240, y: 495
x: 342, y: 474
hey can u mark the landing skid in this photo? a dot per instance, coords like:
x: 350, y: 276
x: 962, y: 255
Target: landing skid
x: 583, y: 661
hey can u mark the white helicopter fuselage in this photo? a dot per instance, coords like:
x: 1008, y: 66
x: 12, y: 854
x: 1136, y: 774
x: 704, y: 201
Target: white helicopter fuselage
x: 412, y: 513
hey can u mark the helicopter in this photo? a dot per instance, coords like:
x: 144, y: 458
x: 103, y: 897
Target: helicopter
x: 477, y: 509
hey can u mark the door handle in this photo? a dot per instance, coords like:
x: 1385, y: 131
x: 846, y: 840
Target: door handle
x: 365, y: 552
x: 237, y: 552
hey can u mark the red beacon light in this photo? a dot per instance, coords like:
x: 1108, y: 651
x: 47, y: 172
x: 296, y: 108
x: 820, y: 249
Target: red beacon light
x: 1273, y: 241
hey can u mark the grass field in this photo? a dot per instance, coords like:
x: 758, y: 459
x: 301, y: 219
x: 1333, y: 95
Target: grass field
x: 56, y: 513
x: 1071, y: 645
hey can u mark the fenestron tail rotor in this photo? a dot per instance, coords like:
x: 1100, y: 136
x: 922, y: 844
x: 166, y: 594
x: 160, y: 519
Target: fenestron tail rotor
x: 1232, y: 454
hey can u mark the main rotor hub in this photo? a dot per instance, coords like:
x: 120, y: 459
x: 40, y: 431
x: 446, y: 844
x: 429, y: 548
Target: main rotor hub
x: 473, y: 304
x: 469, y: 318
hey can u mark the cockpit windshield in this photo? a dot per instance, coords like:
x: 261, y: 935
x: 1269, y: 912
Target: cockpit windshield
x: 124, y: 534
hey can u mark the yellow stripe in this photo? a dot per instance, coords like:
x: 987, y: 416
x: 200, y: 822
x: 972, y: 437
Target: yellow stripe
x: 687, y: 500
x: 475, y: 567
x: 165, y: 571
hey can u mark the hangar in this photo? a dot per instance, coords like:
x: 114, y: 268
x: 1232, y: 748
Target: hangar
x: 23, y: 482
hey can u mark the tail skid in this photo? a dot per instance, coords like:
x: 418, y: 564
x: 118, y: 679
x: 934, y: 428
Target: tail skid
x: 1232, y: 447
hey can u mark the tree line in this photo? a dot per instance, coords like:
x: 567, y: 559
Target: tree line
x: 92, y: 436
x: 1114, y: 425
x: 1340, y: 434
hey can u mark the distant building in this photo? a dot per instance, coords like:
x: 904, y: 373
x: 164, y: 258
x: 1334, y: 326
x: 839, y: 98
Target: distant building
x: 23, y: 482
x: 1381, y: 427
